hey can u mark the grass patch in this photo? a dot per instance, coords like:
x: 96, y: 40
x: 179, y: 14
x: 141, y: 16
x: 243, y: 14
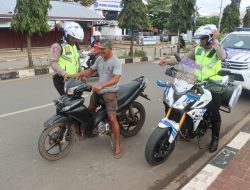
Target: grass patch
x: 137, y: 53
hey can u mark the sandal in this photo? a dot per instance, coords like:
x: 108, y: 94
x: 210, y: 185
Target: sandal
x: 118, y: 155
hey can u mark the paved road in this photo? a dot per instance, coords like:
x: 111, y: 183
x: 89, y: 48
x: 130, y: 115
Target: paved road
x: 90, y: 164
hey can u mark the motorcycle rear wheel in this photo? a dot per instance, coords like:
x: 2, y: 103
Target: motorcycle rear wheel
x: 133, y: 122
x: 158, y: 149
x: 53, y: 136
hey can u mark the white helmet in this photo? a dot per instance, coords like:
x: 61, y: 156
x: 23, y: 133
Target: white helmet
x: 205, y: 30
x: 73, y: 29
x: 97, y: 33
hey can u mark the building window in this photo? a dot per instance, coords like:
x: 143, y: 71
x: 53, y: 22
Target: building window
x: 110, y: 15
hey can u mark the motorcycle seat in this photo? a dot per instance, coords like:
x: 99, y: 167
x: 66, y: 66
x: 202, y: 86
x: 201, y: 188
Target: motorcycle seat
x: 126, y: 90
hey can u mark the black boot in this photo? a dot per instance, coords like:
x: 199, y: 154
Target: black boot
x: 215, y: 136
x: 214, y: 144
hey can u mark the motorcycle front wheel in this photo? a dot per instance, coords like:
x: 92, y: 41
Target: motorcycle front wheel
x: 132, y: 120
x: 158, y: 148
x: 56, y: 141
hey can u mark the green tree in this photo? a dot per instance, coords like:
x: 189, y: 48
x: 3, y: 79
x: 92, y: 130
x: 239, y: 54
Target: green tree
x: 231, y: 17
x: 246, y: 19
x: 133, y: 16
x: 207, y: 20
x: 30, y: 17
x: 85, y: 3
x: 158, y: 12
x: 180, y: 19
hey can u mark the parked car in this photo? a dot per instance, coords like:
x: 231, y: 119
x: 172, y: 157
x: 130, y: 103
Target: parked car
x: 164, y: 36
x: 237, y: 46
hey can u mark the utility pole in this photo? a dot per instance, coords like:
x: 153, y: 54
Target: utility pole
x: 220, y: 17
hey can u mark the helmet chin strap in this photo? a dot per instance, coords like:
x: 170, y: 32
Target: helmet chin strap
x: 210, y: 40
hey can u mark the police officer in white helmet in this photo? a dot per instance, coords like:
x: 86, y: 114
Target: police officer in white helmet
x: 64, y: 55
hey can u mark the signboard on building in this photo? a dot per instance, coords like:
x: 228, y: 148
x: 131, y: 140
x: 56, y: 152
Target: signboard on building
x: 108, y: 6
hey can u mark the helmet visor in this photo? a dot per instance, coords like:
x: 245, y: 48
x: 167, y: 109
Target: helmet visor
x: 204, y: 37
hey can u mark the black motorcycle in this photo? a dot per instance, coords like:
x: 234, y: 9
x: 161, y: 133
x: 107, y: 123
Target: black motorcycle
x: 72, y: 118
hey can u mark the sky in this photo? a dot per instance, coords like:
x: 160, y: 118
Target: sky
x: 212, y: 7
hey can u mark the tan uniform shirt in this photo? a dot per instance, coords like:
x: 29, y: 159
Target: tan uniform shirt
x: 54, y: 55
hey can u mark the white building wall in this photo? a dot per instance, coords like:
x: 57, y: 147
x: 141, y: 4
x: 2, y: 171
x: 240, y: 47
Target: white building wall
x: 111, y: 31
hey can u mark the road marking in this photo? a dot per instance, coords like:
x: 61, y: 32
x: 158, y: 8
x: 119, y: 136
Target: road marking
x: 31, y: 109
x: 9, y: 60
x: 26, y: 110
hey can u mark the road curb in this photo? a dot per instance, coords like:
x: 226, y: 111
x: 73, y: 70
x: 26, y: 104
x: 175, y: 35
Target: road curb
x: 207, y: 164
x: 22, y: 73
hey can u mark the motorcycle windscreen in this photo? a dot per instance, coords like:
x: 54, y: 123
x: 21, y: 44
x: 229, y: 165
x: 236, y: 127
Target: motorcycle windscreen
x: 186, y: 75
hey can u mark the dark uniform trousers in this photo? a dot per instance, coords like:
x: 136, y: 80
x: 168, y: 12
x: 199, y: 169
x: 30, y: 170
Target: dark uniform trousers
x: 58, y: 81
x: 214, y: 107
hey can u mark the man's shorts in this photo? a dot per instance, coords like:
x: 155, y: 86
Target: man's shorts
x: 110, y: 100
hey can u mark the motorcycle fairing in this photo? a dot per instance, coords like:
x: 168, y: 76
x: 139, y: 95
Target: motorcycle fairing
x: 54, y: 119
x: 197, y: 116
x: 167, y: 123
x: 205, y: 98
x: 169, y: 96
x: 182, y: 102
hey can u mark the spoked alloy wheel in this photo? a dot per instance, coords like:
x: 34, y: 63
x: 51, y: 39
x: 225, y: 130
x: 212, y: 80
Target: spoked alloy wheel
x: 56, y: 141
x: 158, y: 147
x: 133, y: 120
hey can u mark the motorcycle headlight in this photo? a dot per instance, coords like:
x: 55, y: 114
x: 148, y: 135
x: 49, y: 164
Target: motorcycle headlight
x: 180, y: 105
x: 67, y: 108
x: 71, y: 91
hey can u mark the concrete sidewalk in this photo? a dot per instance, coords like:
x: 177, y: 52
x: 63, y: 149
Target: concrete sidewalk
x: 228, y: 168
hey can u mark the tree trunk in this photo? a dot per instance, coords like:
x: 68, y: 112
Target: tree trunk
x: 29, y: 51
x: 21, y: 41
x: 131, y: 42
x: 178, y: 44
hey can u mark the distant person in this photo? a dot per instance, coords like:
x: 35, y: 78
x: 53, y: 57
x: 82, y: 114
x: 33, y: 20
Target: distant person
x: 94, y: 43
x: 182, y: 43
x: 64, y: 55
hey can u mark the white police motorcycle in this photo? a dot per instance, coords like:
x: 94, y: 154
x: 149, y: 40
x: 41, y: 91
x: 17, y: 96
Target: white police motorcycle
x: 186, y: 101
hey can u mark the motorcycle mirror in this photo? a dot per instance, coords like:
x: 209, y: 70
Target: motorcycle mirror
x: 177, y: 57
x: 224, y: 72
x: 170, y: 72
